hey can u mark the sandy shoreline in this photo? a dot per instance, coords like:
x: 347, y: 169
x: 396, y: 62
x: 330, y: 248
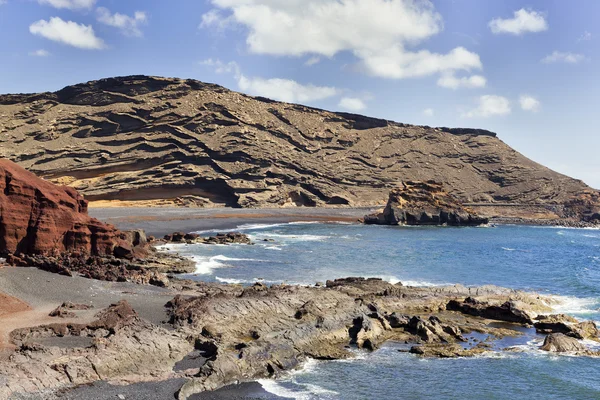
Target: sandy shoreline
x: 161, y: 221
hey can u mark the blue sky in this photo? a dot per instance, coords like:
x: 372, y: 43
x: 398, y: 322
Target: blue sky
x: 527, y: 70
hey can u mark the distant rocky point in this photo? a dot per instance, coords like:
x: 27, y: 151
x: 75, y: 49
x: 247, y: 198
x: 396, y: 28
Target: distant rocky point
x: 424, y: 203
x: 140, y: 140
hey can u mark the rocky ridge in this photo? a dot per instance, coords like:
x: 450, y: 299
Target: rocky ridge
x: 177, y: 141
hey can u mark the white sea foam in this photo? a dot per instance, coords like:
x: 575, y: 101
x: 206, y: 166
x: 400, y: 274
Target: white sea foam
x: 225, y: 258
x: 508, y: 249
x: 247, y: 227
x: 304, y: 391
x: 575, y: 305
x: 231, y: 280
x: 273, y: 248
x: 299, y: 238
x: 406, y: 282
x: 206, y: 265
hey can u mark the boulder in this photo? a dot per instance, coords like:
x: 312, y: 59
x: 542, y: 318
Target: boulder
x: 424, y: 203
x: 561, y: 343
x: 560, y: 323
x: 505, y: 312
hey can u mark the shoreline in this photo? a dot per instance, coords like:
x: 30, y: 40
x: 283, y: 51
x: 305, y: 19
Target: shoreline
x: 162, y: 221
x: 42, y: 291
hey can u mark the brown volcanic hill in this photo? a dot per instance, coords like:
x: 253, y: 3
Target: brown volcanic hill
x: 150, y: 138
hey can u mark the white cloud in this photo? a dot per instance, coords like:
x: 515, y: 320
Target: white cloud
x: 378, y: 32
x: 70, y: 4
x: 529, y: 103
x: 128, y: 25
x: 489, y: 106
x: 428, y: 112
x: 223, y: 68
x: 523, y: 21
x: 214, y: 19
x: 275, y: 88
x: 39, y: 53
x: 312, y: 61
x: 285, y: 89
x: 452, y: 82
x: 352, y: 104
x: 3, y: 2
x: 585, y: 36
x: 558, y: 56
x: 67, y: 32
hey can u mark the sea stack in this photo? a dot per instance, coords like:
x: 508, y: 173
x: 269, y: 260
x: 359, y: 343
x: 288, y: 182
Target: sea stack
x: 424, y: 203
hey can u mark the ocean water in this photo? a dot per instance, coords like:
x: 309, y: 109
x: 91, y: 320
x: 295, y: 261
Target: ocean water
x: 559, y: 261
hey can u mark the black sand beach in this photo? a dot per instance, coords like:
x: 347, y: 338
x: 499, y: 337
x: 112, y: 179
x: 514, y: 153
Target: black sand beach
x: 161, y: 221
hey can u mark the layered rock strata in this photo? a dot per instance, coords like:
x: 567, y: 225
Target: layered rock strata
x: 151, y: 140
x: 47, y: 226
x: 424, y: 203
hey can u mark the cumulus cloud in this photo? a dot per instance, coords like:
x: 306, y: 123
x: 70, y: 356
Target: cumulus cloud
x: 380, y: 33
x: 489, y: 106
x: 452, y: 82
x: 558, y: 56
x: 312, y: 61
x: 39, y: 53
x: 352, y: 104
x: 585, y: 36
x: 70, y: 4
x: 529, y: 103
x: 523, y: 21
x: 222, y: 68
x: 428, y: 112
x: 129, y: 26
x: 285, y: 89
x: 214, y: 19
x: 67, y: 32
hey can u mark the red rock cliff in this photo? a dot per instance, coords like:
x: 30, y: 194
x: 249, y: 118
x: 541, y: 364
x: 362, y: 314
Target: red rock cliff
x: 38, y: 217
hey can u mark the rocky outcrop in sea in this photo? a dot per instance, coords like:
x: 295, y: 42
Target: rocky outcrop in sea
x: 424, y: 203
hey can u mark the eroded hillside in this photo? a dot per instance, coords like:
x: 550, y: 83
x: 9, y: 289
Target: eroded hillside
x: 187, y: 142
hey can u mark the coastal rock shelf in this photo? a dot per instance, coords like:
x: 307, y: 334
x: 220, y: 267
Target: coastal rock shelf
x: 159, y: 141
x: 221, y: 334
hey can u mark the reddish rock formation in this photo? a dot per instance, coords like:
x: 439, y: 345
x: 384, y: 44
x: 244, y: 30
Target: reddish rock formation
x: 38, y: 217
x: 424, y: 203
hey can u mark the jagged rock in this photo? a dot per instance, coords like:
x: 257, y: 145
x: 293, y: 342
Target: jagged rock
x: 445, y: 350
x: 560, y: 343
x: 38, y: 217
x: 424, y: 203
x: 505, y: 312
x: 65, y: 310
x: 567, y: 325
x: 220, y: 238
x: 247, y: 333
x: 197, y: 144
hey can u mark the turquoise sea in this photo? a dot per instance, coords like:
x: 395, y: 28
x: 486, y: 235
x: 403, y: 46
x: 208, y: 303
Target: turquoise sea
x: 559, y: 261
